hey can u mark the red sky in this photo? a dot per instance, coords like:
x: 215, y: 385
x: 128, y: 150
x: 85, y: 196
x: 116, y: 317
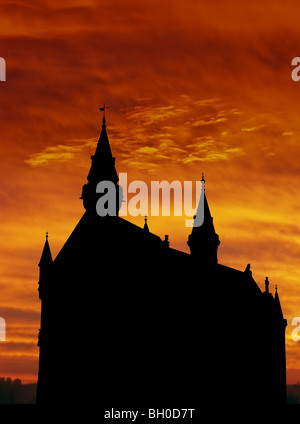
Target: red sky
x: 192, y: 86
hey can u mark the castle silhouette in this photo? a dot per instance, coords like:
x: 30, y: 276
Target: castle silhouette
x: 126, y: 319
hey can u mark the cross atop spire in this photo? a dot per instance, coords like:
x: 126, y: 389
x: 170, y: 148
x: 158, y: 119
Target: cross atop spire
x: 102, y: 109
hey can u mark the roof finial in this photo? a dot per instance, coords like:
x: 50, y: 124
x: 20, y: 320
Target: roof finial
x: 166, y: 242
x: 102, y: 109
x: 146, y: 228
x: 267, y: 285
x: 203, y: 182
x: 47, y: 235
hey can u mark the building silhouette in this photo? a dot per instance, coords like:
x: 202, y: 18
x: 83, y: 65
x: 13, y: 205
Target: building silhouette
x: 126, y: 319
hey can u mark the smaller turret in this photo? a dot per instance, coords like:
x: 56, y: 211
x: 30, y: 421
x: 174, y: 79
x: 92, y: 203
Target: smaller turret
x: 146, y: 228
x: 45, y: 265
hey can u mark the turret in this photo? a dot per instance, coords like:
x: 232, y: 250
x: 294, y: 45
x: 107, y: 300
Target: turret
x: 281, y: 324
x: 278, y: 308
x: 45, y: 266
x: 102, y: 169
x: 203, y: 240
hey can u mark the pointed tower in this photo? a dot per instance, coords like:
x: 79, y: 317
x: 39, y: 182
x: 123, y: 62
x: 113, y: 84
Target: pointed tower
x: 102, y: 169
x: 46, y: 269
x: 279, y: 350
x: 45, y: 266
x: 278, y: 305
x: 203, y: 240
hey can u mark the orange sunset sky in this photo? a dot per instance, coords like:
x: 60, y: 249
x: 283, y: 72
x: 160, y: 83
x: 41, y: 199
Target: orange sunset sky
x: 192, y: 86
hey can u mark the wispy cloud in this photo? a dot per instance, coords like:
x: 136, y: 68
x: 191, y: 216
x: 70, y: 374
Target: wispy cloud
x: 59, y: 153
x: 211, y: 121
x: 146, y: 149
x: 151, y: 115
x: 207, y: 149
x: 251, y: 129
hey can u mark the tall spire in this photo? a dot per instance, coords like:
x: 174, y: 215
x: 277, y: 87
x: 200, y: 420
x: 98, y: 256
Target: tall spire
x: 203, y: 240
x: 103, y: 162
x: 102, y: 169
x: 277, y: 304
x: 46, y: 258
x: 45, y: 265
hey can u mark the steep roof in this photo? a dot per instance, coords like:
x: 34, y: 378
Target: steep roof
x: 46, y: 257
x: 94, y: 235
x: 277, y: 304
x: 103, y: 162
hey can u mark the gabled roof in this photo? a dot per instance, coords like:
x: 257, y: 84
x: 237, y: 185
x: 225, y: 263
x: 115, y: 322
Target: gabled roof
x: 94, y: 234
